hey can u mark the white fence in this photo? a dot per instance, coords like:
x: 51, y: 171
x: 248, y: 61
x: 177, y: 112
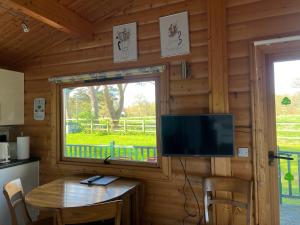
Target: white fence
x: 124, y: 125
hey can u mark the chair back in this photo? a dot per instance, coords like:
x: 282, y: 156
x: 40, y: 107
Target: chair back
x: 227, y: 184
x: 89, y: 214
x: 14, y: 195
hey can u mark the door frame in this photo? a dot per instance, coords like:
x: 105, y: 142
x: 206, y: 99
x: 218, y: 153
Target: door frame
x: 263, y: 106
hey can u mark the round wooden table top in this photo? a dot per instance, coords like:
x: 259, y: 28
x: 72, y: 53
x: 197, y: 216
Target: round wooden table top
x: 68, y: 192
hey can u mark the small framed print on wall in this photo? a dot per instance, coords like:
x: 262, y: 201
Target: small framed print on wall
x: 125, y: 42
x: 174, y: 35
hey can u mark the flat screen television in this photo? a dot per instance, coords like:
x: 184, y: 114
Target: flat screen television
x: 197, y: 135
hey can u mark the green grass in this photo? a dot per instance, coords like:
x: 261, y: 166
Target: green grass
x: 288, y: 145
x: 288, y: 130
x: 106, y: 139
x: 291, y: 131
x: 288, y: 119
x: 289, y: 126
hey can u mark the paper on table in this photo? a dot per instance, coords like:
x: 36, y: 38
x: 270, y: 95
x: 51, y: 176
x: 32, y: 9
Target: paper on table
x: 103, y: 181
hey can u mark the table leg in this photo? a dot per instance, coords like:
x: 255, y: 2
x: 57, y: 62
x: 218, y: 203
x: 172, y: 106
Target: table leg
x: 126, y: 213
x: 137, y: 204
x: 54, y: 219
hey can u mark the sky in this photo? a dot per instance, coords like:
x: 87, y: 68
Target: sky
x: 132, y: 89
x: 285, y: 75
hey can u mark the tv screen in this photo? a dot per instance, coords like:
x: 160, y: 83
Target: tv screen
x: 197, y: 135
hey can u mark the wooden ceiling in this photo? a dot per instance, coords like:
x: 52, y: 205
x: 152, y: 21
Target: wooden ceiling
x: 50, y: 24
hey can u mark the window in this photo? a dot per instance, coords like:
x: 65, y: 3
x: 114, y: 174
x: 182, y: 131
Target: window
x: 115, y: 120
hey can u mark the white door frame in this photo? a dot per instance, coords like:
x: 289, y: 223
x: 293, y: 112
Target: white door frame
x: 262, y: 56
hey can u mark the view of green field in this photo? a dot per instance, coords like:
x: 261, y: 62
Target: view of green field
x: 288, y: 139
x: 116, y: 120
x: 287, y: 101
x: 288, y: 132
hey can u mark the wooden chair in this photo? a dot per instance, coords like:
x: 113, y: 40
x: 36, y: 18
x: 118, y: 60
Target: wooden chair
x: 227, y: 184
x: 14, y: 194
x: 91, y: 214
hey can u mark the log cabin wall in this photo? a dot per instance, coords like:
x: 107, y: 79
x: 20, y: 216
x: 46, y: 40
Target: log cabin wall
x: 246, y: 20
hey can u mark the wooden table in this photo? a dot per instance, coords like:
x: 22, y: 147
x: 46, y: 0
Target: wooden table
x: 68, y: 192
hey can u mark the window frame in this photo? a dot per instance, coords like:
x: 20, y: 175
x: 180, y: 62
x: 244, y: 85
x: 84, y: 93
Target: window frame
x: 113, y: 163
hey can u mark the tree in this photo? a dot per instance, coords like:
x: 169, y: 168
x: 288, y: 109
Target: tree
x: 141, y: 107
x: 68, y: 111
x: 80, y: 104
x: 92, y: 93
x: 93, y: 100
x: 114, y: 98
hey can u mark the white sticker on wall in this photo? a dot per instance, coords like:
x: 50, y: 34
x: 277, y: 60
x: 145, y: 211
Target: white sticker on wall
x: 39, y: 108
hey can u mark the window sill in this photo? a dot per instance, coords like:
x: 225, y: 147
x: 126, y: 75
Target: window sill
x: 140, y: 170
x: 112, y: 162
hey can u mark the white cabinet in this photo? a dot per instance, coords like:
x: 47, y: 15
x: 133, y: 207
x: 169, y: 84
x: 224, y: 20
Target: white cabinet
x: 29, y: 174
x: 11, y: 97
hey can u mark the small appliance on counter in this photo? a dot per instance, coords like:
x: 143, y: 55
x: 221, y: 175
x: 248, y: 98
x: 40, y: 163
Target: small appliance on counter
x: 4, y: 152
x: 23, y: 148
x: 8, y: 149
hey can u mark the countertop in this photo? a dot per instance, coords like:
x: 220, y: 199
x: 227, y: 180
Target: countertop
x: 15, y: 162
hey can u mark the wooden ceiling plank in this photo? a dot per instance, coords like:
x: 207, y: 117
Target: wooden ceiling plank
x: 112, y: 9
x: 65, y: 2
x: 93, y: 11
x: 82, y: 10
x: 36, y: 41
x: 30, y: 46
x: 142, y: 5
x: 14, y: 35
x: 76, y: 5
x: 19, y: 62
x: 151, y: 15
x: 53, y: 14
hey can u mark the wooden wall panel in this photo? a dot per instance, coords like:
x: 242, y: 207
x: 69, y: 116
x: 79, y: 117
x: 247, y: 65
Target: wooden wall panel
x: 247, y: 20
x: 164, y: 199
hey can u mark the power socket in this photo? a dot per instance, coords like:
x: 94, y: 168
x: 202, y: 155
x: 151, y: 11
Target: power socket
x: 243, y: 152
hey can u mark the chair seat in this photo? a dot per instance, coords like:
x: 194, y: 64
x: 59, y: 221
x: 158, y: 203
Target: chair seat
x: 14, y: 194
x: 44, y: 221
x: 86, y: 215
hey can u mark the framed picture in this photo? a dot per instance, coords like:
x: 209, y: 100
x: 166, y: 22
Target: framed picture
x: 174, y: 35
x: 125, y: 42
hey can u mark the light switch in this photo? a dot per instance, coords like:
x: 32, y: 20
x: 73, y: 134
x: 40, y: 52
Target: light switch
x: 243, y: 152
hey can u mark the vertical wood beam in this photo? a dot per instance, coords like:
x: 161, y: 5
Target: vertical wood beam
x: 218, y: 83
x: 218, y: 75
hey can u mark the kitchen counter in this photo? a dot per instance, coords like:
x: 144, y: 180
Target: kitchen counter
x: 15, y: 162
